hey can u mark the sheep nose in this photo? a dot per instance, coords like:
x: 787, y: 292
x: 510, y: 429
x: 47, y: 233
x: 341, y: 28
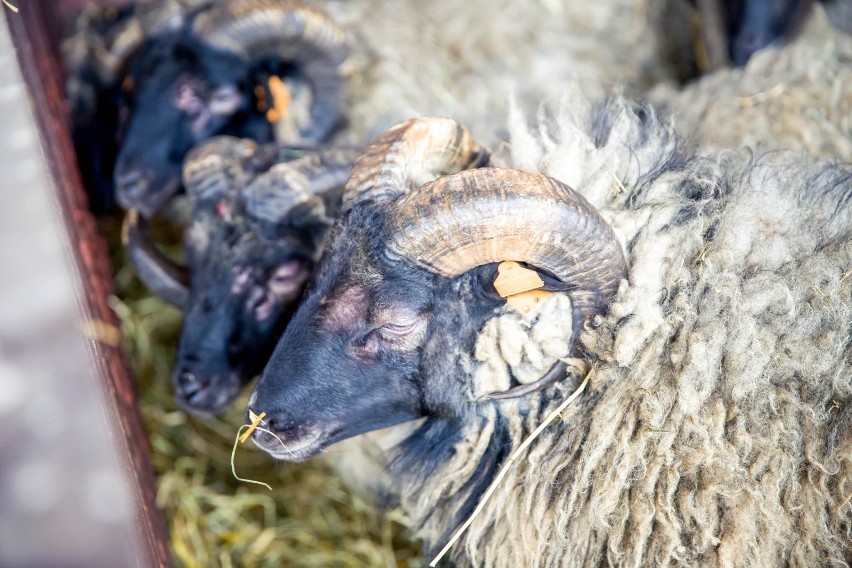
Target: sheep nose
x: 279, y: 425
x: 276, y: 423
x: 132, y: 182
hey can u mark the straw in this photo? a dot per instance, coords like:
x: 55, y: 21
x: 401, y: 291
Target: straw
x: 494, y: 484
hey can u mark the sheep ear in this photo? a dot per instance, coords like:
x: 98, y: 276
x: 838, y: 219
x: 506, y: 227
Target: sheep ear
x: 523, y: 352
x: 293, y: 33
x: 556, y: 373
x: 533, y: 279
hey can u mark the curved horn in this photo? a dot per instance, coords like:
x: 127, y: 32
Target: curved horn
x: 223, y: 165
x: 160, y: 275
x: 293, y: 32
x: 488, y: 215
x: 409, y: 155
x: 302, y: 184
x: 111, y: 54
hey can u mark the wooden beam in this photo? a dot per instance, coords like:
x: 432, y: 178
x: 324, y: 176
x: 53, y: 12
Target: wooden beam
x: 44, y: 79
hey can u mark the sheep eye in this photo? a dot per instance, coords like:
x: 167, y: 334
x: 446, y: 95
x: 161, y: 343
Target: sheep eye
x: 402, y: 333
x: 224, y: 100
x: 398, y: 329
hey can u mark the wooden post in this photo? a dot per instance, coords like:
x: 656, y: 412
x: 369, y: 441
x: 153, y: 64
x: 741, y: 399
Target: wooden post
x: 44, y: 79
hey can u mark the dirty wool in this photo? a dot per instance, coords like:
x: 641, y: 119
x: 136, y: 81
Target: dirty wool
x: 798, y: 97
x: 717, y: 429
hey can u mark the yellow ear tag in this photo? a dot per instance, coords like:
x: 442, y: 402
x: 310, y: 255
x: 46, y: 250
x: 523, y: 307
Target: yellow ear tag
x: 519, y: 286
x: 526, y: 302
x: 280, y: 99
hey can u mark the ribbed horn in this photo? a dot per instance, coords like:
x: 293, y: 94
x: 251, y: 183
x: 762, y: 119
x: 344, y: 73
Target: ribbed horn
x: 149, y: 19
x: 160, y: 275
x: 410, y: 154
x: 295, y: 33
x: 299, y: 185
x: 224, y: 165
x: 477, y: 217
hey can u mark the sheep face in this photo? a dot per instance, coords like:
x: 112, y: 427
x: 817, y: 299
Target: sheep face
x: 242, y: 292
x: 258, y: 224
x: 369, y: 345
x: 388, y: 330
x: 187, y: 92
x: 248, y: 68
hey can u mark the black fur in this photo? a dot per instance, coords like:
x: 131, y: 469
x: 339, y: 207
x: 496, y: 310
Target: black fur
x: 753, y: 25
x: 131, y: 136
x: 156, y: 134
x: 235, y: 314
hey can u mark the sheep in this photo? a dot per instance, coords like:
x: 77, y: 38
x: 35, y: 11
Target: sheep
x: 423, y: 58
x: 437, y: 58
x: 716, y: 427
x: 734, y: 30
x: 176, y: 73
x: 798, y: 97
x: 465, y: 59
x: 257, y: 226
x: 461, y: 68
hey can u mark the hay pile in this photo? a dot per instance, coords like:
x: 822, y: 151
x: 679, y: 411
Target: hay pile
x: 310, y: 519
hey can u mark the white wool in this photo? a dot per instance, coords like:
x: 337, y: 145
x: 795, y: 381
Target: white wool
x: 716, y: 431
x: 522, y: 347
x: 362, y: 461
x: 465, y: 59
x: 702, y: 446
x: 798, y: 97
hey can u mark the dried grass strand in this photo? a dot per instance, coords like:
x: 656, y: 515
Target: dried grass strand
x: 101, y: 331
x: 241, y: 429
x: 494, y: 484
x: 255, y: 422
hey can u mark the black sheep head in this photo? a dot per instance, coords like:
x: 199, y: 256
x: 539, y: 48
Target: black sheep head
x: 247, y: 68
x: 257, y: 229
x: 734, y: 30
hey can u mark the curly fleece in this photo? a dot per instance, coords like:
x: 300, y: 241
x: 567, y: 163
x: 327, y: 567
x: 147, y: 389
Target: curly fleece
x: 717, y: 428
x: 796, y: 98
x: 462, y: 59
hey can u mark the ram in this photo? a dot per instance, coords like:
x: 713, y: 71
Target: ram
x: 259, y: 218
x: 717, y: 426
x: 172, y: 74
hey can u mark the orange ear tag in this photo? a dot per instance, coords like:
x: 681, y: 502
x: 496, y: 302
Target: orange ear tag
x: 512, y: 278
x: 519, y: 286
x: 280, y: 99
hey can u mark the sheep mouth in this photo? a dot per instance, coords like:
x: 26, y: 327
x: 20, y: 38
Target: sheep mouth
x: 280, y: 448
x: 207, y: 395
x: 211, y: 399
